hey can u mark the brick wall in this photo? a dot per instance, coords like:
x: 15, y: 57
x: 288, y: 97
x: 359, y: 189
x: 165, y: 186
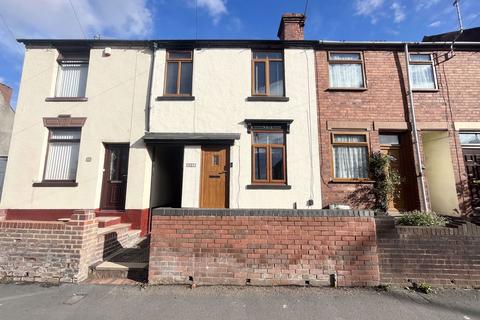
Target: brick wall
x: 47, y: 251
x: 385, y: 102
x: 52, y: 251
x: 445, y: 257
x: 262, y: 248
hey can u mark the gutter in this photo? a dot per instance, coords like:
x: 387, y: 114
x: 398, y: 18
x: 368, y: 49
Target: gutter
x: 413, y: 120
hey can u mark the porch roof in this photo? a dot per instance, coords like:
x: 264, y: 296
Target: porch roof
x: 189, y: 138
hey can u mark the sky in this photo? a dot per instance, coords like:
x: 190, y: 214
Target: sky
x: 396, y: 20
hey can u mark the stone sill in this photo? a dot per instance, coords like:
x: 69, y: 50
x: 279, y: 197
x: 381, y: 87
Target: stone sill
x: 68, y: 184
x: 65, y: 99
x: 175, y: 98
x: 268, y: 99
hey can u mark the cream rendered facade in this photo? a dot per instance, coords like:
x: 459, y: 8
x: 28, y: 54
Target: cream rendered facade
x: 115, y: 113
x: 221, y: 84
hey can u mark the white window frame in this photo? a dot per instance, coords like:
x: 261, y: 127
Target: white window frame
x: 53, y: 140
x: 431, y: 63
x: 361, y: 62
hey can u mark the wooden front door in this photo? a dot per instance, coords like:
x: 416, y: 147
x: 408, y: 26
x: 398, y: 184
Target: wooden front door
x: 215, y: 177
x: 398, y: 203
x: 472, y: 165
x: 115, y: 171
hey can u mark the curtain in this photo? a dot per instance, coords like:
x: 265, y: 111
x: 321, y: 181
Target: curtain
x: 276, y: 78
x: 71, y: 80
x: 346, y: 75
x: 422, y: 76
x: 351, y: 162
x: 62, y: 157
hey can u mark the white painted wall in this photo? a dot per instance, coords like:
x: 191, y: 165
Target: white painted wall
x: 221, y: 84
x: 116, y: 92
x: 439, y: 172
x: 191, y: 176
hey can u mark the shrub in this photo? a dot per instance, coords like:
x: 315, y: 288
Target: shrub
x: 386, y: 180
x: 421, y: 219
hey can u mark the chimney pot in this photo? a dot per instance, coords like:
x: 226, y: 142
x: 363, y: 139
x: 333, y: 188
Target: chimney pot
x: 291, y: 26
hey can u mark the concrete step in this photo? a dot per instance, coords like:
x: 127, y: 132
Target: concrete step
x: 120, y: 227
x: 137, y: 271
x: 104, y: 222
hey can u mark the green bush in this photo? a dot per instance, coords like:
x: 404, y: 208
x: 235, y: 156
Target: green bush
x: 421, y: 219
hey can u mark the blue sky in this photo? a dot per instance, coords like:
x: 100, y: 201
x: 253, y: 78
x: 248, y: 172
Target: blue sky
x: 219, y: 19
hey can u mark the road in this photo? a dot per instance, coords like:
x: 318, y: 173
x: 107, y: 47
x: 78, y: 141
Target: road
x: 82, y: 302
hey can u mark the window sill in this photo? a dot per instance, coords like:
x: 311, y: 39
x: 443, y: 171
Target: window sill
x: 267, y: 98
x: 65, y: 99
x: 68, y: 184
x: 347, y: 89
x: 175, y: 98
x: 425, y: 90
x: 269, y: 186
x: 365, y: 181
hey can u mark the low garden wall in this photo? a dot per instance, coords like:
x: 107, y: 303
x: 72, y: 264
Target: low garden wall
x: 47, y: 251
x: 439, y: 256
x: 263, y: 247
x: 54, y: 251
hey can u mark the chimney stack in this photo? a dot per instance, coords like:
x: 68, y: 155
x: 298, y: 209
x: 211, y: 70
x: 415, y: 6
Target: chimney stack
x: 291, y: 26
x: 5, y: 94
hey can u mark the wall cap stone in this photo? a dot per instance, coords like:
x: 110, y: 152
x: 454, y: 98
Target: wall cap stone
x: 262, y: 212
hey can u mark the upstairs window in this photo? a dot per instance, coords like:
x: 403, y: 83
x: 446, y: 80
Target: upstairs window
x: 350, y: 156
x: 62, y: 154
x: 72, y: 74
x: 346, y: 70
x: 268, y: 75
x: 179, y: 73
x: 422, y: 72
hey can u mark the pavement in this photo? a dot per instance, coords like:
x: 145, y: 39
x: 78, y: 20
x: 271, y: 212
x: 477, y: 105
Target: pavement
x: 87, y: 301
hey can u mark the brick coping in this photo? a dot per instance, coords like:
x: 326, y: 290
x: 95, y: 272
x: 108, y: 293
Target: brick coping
x: 262, y: 212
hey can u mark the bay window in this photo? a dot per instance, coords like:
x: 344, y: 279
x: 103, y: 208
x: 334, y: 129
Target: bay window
x: 350, y: 156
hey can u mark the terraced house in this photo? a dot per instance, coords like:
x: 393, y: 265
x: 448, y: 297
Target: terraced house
x: 236, y: 156
x: 425, y: 116
x: 123, y: 127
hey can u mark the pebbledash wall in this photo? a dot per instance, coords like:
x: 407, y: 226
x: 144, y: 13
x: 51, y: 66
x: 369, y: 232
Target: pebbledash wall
x: 52, y: 251
x: 263, y: 247
x: 445, y: 257
x: 383, y: 106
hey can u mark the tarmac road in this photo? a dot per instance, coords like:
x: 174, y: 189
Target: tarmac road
x: 82, y: 302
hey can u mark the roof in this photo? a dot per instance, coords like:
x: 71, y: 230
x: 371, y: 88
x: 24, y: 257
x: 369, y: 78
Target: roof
x: 470, y: 35
x: 256, y: 44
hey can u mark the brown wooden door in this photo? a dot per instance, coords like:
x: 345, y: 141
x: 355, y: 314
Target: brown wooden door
x: 215, y: 177
x: 397, y: 163
x: 115, y: 172
x: 472, y: 165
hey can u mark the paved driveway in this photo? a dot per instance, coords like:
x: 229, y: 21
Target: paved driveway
x: 84, y: 302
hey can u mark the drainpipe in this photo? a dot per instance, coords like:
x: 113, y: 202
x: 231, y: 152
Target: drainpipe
x: 424, y: 202
x: 150, y: 88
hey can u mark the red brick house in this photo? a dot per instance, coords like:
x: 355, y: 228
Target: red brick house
x: 364, y: 106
